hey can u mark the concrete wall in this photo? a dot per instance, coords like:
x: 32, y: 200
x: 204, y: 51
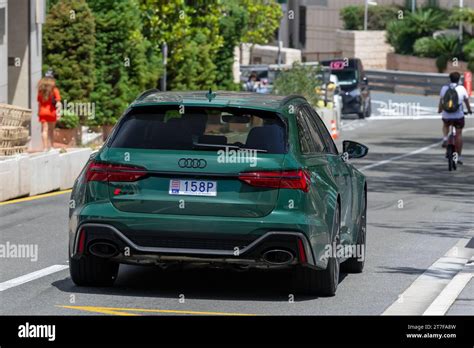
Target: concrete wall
x: 269, y: 55
x: 3, y: 52
x: 423, y: 65
x: 369, y: 46
x: 40, y: 173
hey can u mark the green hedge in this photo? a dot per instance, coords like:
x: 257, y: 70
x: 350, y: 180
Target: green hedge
x: 353, y: 16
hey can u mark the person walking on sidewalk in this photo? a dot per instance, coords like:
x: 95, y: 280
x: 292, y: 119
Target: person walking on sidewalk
x: 451, y: 106
x: 49, y: 106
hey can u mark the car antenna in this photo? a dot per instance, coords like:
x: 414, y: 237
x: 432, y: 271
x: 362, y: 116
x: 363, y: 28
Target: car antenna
x: 210, y: 95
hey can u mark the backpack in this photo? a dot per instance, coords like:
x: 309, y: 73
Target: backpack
x: 450, y: 102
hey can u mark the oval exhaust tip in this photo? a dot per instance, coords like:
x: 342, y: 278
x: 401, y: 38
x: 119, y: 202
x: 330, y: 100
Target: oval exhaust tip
x: 103, y: 249
x: 278, y: 257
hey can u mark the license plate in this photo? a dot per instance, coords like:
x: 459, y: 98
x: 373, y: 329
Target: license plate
x: 193, y: 187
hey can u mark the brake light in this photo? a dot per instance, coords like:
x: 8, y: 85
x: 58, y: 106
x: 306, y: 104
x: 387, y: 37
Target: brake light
x: 288, y: 179
x: 81, y: 242
x: 114, y: 172
x: 301, y: 251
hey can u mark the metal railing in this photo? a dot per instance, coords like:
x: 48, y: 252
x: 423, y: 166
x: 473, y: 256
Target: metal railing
x: 406, y: 81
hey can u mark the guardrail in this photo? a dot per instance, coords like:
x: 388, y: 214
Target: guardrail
x: 406, y: 81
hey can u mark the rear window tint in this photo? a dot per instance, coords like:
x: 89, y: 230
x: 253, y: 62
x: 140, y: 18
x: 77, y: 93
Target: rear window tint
x: 200, y: 128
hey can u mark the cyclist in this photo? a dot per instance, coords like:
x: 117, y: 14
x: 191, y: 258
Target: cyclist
x: 450, y: 105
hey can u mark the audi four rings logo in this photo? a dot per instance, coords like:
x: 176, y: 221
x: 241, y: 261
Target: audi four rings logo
x: 192, y: 163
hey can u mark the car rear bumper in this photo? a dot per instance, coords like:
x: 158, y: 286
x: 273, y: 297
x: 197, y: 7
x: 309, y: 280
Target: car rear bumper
x: 248, y: 251
x: 351, y: 105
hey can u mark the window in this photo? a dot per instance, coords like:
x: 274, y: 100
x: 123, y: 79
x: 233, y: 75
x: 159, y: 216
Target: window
x: 303, y: 134
x: 326, y: 136
x: 317, y: 144
x: 201, y: 129
x: 302, y: 27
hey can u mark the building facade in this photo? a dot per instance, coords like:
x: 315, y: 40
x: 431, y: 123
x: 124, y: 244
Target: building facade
x: 21, y: 56
x: 311, y: 25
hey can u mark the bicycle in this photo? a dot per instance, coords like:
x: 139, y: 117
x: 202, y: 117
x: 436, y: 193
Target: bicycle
x: 451, y: 151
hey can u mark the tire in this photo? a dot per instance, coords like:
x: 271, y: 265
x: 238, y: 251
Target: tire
x: 89, y: 270
x: 319, y: 282
x: 368, y: 112
x: 353, y: 265
x: 449, y: 155
x: 361, y: 115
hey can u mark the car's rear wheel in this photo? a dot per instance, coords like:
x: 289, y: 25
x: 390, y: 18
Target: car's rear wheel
x: 322, y: 283
x: 90, y: 270
x: 355, y: 264
x: 368, y: 112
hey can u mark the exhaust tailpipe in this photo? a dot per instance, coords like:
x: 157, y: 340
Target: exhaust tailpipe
x: 278, y: 257
x: 103, y: 249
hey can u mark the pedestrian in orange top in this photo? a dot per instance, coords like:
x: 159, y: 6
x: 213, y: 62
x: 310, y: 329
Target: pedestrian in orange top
x: 49, y: 103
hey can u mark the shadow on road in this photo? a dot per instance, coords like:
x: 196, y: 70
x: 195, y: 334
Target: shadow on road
x: 423, y: 174
x: 196, y: 283
x: 446, y: 273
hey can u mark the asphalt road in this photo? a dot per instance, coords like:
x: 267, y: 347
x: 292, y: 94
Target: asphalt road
x: 417, y: 212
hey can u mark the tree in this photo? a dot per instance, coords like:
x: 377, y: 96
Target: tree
x: 201, y: 36
x: 191, y: 31
x: 468, y: 50
x: 264, y: 19
x: 233, y: 22
x: 403, y: 33
x: 300, y: 79
x: 125, y: 61
x: 68, y: 44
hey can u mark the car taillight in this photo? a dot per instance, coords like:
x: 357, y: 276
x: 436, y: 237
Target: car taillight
x: 301, y: 251
x: 288, y: 179
x: 114, y: 172
x: 81, y: 241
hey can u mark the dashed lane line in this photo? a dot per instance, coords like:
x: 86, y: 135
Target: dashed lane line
x: 420, y: 150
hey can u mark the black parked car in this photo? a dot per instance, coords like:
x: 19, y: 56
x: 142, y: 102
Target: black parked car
x: 354, y: 85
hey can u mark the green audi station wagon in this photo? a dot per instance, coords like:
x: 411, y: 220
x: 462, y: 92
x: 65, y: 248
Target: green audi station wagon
x: 220, y: 179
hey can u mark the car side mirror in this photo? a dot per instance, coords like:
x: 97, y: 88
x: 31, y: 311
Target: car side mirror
x: 365, y: 79
x: 354, y: 149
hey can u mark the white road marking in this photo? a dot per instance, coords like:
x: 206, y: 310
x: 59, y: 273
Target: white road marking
x: 423, y: 149
x: 31, y: 276
x: 380, y: 163
x: 408, y: 117
x: 426, y: 288
x: 451, y: 292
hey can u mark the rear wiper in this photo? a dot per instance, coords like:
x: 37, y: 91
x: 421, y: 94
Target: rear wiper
x: 223, y: 146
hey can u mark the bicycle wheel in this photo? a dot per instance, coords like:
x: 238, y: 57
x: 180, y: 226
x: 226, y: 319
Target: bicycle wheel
x: 449, y: 155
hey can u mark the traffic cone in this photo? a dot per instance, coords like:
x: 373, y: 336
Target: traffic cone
x: 334, y: 132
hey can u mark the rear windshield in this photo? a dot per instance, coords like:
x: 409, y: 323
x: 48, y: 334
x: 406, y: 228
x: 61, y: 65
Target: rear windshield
x: 201, y: 128
x: 346, y: 76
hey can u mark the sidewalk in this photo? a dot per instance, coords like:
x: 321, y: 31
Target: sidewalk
x: 464, y: 304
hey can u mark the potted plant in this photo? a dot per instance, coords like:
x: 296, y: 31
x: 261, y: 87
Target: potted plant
x: 67, y: 129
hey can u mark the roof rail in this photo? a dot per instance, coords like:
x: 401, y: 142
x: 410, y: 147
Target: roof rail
x: 148, y: 92
x: 289, y: 97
